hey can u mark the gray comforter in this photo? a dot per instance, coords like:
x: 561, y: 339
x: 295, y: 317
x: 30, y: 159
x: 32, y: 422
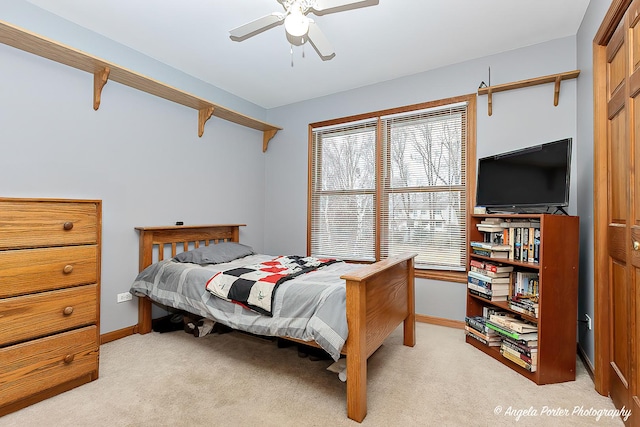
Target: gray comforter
x: 311, y: 307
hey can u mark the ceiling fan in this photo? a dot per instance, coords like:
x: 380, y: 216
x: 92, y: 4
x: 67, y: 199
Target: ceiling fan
x: 298, y: 27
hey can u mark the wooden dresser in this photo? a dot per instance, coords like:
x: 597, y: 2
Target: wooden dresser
x: 49, y: 297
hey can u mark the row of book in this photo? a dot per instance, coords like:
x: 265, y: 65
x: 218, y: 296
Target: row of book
x: 512, y: 239
x: 516, y: 339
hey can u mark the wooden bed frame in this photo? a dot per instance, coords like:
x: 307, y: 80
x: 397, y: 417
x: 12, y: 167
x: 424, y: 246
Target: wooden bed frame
x: 380, y: 296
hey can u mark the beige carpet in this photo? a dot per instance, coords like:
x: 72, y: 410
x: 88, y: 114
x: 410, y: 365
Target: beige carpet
x: 174, y: 379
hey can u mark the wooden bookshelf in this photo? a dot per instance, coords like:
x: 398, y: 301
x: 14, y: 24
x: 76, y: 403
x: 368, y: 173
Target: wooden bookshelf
x: 558, y: 300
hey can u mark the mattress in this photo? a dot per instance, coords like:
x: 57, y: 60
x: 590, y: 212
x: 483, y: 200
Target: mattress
x: 309, y: 307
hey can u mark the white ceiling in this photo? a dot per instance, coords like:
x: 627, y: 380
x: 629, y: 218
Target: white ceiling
x: 392, y: 39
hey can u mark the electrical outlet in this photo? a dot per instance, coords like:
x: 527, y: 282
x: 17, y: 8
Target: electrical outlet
x: 125, y: 296
x: 588, y: 319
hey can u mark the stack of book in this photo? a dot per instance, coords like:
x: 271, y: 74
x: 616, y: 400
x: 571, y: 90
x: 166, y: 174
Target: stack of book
x: 491, y: 225
x: 491, y: 269
x: 475, y: 328
x: 519, y: 339
x: 492, y: 287
x: 519, y: 353
x: 491, y: 250
x: 524, y: 305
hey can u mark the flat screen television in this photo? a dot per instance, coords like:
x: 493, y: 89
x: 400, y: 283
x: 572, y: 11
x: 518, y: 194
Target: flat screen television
x: 533, y: 177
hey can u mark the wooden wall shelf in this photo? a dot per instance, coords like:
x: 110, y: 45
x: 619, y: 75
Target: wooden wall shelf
x: 104, y: 71
x: 553, y: 78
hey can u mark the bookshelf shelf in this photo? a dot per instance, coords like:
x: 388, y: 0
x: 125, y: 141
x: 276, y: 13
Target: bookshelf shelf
x: 529, y: 265
x: 504, y: 306
x: 557, y: 272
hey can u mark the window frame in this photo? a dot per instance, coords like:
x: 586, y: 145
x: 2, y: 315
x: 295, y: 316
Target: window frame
x: 470, y: 167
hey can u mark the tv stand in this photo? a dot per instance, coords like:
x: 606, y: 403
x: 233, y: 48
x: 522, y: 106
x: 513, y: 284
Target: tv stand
x: 560, y: 209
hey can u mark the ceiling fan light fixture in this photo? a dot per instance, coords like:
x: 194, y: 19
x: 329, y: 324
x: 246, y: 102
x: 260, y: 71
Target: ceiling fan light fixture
x: 296, y: 23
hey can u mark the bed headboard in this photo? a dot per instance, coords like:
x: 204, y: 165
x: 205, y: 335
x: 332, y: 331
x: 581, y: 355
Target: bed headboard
x: 177, y: 238
x: 155, y: 240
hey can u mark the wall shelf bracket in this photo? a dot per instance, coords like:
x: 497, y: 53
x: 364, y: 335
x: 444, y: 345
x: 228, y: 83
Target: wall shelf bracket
x: 204, y: 114
x: 100, y: 79
x: 490, y: 101
x: 552, y: 78
x: 266, y: 137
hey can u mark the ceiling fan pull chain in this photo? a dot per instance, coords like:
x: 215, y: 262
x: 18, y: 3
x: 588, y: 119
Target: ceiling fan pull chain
x: 291, y: 52
x: 303, y: 48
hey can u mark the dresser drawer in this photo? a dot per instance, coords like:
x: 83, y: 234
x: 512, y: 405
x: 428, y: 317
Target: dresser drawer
x: 36, y: 315
x: 35, y: 270
x: 35, y: 366
x: 25, y: 224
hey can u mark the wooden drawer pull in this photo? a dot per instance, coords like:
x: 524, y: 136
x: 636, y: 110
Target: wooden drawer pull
x: 67, y: 311
x: 69, y: 358
x: 67, y: 269
x: 68, y: 225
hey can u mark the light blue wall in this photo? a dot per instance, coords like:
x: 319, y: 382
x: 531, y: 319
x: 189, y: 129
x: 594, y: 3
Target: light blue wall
x: 138, y: 153
x: 590, y: 24
x: 520, y: 118
x: 29, y: 17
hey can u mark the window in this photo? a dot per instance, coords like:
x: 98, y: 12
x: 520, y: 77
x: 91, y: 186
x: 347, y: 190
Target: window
x: 391, y: 182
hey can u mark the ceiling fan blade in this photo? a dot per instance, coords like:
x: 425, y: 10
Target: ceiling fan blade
x: 252, y: 28
x: 319, y: 42
x: 330, y: 6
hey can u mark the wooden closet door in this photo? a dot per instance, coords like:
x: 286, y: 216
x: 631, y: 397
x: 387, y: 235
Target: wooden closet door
x: 633, y: 36
x: 616, y: 64
x: 623, y: 211
x: 618, y: 149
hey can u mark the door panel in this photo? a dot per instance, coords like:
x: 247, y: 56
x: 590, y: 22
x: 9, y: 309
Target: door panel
x: 620, y: 311
x: 618, y: 170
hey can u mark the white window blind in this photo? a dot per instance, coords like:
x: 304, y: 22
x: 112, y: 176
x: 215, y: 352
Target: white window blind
x: 343, y: 180
x: 424, y: 186
x: 391, y: 184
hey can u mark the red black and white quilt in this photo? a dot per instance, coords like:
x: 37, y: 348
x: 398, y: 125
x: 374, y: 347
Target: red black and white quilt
x: 254, y: 286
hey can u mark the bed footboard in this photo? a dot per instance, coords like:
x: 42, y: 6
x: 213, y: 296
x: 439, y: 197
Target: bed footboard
x: 380, y: 296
